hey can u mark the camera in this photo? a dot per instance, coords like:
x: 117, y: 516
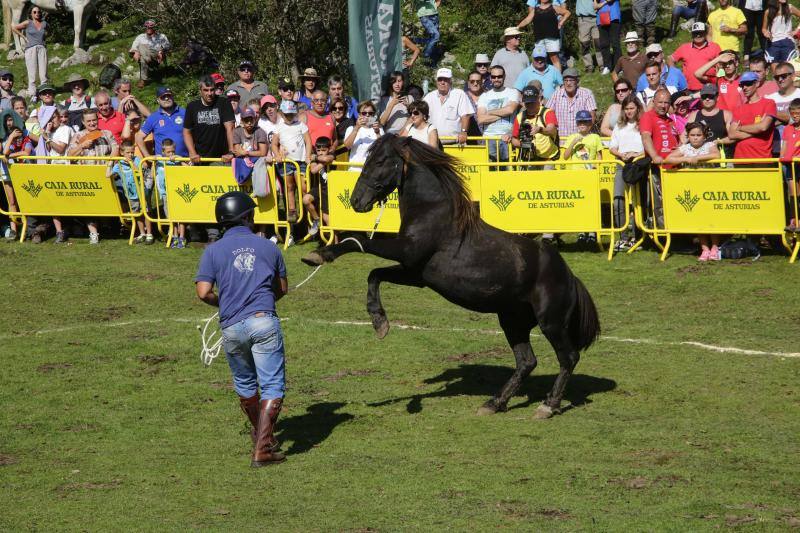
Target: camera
x: 525, y: 136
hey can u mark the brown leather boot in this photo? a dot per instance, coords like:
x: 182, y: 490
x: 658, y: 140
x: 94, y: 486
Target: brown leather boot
x: 265, y: 452
x: 250, y: 408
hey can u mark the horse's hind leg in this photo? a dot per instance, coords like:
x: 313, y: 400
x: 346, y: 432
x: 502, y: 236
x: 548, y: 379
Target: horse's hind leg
x: 394, y: 274
x: 568, y: 357
x: 517, y: 326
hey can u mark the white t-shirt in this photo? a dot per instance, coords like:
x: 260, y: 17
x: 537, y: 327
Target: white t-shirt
x: 292, y: 139
x: 420, y: 135
x: 269, y: 128
x: 62, y: 135
x: 446, y: 115
x: 647, y: 94
x: 364, y: 139
x: 491, y: 100
x: 626, y: 138
x: 782, y: 102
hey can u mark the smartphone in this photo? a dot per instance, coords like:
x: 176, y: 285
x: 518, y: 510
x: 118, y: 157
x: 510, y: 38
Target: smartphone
x: 371, y: 121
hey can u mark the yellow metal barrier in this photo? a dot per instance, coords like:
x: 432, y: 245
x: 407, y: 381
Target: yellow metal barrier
x: 67, y: 190
x: 471, y: 156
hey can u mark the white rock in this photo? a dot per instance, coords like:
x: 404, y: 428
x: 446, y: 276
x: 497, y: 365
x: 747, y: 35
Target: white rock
x: 13, y: 55
x: 56, y: 46
x: 53, y: 60
x: 79, y: 57
x: 92, y: 74
x: 129, y: 68
x: 113, y: 33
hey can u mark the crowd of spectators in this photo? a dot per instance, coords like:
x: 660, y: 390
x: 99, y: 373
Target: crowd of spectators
x: 713, y: 97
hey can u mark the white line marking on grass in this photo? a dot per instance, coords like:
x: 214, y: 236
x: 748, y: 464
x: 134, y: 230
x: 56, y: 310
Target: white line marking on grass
x: 359, y: 323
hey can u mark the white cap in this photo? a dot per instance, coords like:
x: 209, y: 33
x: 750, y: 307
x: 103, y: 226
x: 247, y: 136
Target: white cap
x: 511, y: 31
x: 631, y: 37
x: 698, y: 26
x: 444, y: 73
x: 481, y: 58
x: 653, y: 48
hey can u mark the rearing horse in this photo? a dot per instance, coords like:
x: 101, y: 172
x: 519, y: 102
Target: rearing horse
x: 443, y: 244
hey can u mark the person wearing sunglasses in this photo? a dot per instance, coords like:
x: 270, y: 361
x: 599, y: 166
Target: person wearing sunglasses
x: 6, y: 89
x: 247, y: 86
x: 511, y: 57
x: 359, y: 137
x: 482, y: 67
x: 166, y: 122
x: 669, y: 76
x: 338, y: 109
x: 496, y: 111
x: 753, y: 122
x: 149, y: 49
x: 34, y: 30
x: 622, y: 89
x: 784, y: 77
x: 419, y: 127
x: 715, y: 119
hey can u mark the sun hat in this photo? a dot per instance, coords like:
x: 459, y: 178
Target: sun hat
x: 481, y: 58
x: 43, y: 88
x: 310, y: 73
x: 631, y: 37
x: 654, y: 48
x: 444, y: 73
x: 74, y: 78
x: 511, y: 31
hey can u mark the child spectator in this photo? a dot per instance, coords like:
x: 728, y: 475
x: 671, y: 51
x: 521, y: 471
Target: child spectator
x: 626, y: 145
x: 316, y: 200
x: 693, y: 153
x: 15, y: 144
x: 790, y: 151
x: 124, y: 171
x: 291, y: 141
x: 587, y: 146
x: 179, y: 229
x: 248, y: 139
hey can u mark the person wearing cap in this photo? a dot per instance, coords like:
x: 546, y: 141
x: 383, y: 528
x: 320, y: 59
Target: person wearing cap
x: 336, y: 91
x: 549, y: 76
x: 583, y: 145
x: 46, y: 94
x: 644, y: 18
x: 608, y: 21
x: 233, y: 98
x: 269, y: 118
x: 669, y: 76
x: 482, y: 68
x: 309, y: 82
x: 570, y: 98
x: 753, y: 122
x: 694, y: 54
x: 535, y: 124
x: 286, y: 90
x: 250, y: 276
x: 511, y: 57
x: 33, y: 30
x: 729, y: 95
x: 428, y: 13
x: 247, y: 86
x: 291, y: 142
x: 78, y: 100
x: 164, y: 123
x: 548, y: 18
x: 6, y: 89
x: 496, y: 111
x: 726, y: 26
x: 714, y: 118
x: 149, y: 49
x: 248, y: 139
x: 631, y: 65
x: 450, y: 110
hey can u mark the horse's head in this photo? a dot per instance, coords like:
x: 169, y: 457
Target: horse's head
x: 381, y: 174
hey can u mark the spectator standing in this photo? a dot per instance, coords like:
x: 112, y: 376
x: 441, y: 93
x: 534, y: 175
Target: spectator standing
x: 219, y: 83
x: 728, y: 84
x: 233, y: 99
x: 753, y: 11
x: 511, y: 57
x: 248, y: 139
x: 320, y: 123
x: 286, y: 90
x: 309, y: 82
x: 714, y: 118
x: 393, y: 105
x: 270, y: 118
x: 247, y: 86
x: 359, y: 137
x: 474, y: 91
x: 482, y: 65
x: 496, y: 111
x: 336, y: 90
x: 631, y: 65
x: 419, y: 127
x: 659, y: 138
x: 568, y: 100
x: 34, y: 30
x: 764, y: 86
x: 622, y: 90
x: 165, y: 123
x: 78, y: 100
x: 149, y: 49
x: 208, y: 125
x: 450, y: 109
x: 644, y: 16
x: 291, y: 142
x: 626, y: 145
x: 57, y: 145
x: 109, y: 119
x: 727, y: 25
x: 547, y: 75
x: 694, y: 54
x: 753, y: 122
x: 588, y: 34
x: 786, y: 93
x: 6, y: 89
x: 777, y: 28
x: 428, y: 13
x: 669, y: 76
x: 681, y: 102
x: 535, y: 130
x: 609, y: 17
x: 548, y: 18
x: 343, y: 122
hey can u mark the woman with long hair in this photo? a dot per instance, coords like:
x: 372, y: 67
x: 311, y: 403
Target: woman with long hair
x: 622, y: 89
x: 419, y: 127
x: 777, y: 28
x: 34, y: 30
x: 393, y: 106
x: 626, y: 145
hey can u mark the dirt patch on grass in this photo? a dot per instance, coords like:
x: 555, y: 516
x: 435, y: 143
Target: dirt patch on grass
x: 556, y: 514
x: 494, y: 353
x: 221, y: 385
x: 641, y: 482
x: 77, y: 428
x: 689, y: 270
x: 114, y: 312
x: 153, y: 360
x: 346, y: 373
x: 764, y: 291
x: 6, y: 459
x: 656, y: 457
x: 734, y: 520
x: 515, y: 510
x: 68, y: 488
x: 52, y: 367
x: 151, y: 277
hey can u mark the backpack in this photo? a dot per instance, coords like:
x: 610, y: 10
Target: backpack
x: 109, y: 75
x: 739, y: 249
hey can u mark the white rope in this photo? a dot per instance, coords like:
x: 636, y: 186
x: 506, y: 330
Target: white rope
x: 212, y: 341
x: 377, y: 221
x: 355, y: 241
x: 307, y: 278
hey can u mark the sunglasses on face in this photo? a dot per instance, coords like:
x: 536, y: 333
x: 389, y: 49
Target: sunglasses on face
x: 497, y: 77
x: 622, y: 90
x: 728, y: 64
x: 443, y: 80
x: 165, y: 97
x: 708, y: 96
x: 368, y: 113
x: 747, y: 83
x: 651, y: 55
x: 338, y: 108
x: 474, y: 81
x: 538, y: 59
x: 781, y: 77
x: 7, y: 78
x: 246, y: 69
x: 482, y: 65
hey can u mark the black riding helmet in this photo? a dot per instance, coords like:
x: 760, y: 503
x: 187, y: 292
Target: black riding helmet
x: 233, y: 208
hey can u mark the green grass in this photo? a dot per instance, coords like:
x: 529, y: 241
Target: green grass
x: 110, y: 422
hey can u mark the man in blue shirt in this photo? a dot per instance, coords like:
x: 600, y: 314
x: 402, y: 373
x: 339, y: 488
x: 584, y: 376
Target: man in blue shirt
x: 165, y: 123
x: 250, y: 275
x: 670, y: 76
x: 548, y: 75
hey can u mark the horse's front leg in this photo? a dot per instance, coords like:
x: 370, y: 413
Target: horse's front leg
x: 393, y: 249
x: 396, y: 274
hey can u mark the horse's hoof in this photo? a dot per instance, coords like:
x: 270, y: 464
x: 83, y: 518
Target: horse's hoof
x: 313, y: 259
x: 381, y: 325
x: 543, y: 412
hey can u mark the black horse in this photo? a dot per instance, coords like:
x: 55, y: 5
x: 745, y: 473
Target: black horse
x: 443, y: 244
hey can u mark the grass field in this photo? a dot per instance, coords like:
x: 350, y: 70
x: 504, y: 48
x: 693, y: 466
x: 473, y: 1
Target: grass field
x: 110, y: 422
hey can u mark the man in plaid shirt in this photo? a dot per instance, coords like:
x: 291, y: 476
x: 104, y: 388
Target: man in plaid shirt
x: 568, y: 100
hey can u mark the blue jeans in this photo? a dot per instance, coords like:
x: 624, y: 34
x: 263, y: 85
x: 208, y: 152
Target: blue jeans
x: 684, y: 12
x: 498, y: 151
x: 431, y: 25
x: 254, y: 348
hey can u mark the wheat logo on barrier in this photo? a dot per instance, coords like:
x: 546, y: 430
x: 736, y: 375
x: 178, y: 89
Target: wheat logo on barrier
x: 345, y: 198
x: 187, y: 193
x: 502, y: 200
x: 687, y: 200
x: 32, y: 188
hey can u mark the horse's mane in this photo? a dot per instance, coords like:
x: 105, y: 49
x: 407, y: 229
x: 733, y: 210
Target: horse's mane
x: 444, y: 167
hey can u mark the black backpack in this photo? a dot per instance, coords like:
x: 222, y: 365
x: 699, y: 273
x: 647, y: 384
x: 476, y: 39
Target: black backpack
x: 109, y: 75
x: 739, y: 249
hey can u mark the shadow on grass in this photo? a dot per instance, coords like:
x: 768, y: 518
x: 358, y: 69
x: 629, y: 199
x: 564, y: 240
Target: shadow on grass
x: 485, y: 381
x: 309, y: 430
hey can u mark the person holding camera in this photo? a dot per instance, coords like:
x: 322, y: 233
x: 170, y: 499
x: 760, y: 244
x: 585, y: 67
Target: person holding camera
x: 535, y: 130
x: 393, y: 106
x: 359, y: 137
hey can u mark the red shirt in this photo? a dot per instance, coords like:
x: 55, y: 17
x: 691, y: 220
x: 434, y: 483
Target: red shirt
x: 114, y: 124
x: 757, y: 146
x: 730, y: 96
x: 320, y: 127
x: 768, y: 87
x: 662, y: 130
x: 791, y: 143
x: 693, y: 58
x: 548, y: 118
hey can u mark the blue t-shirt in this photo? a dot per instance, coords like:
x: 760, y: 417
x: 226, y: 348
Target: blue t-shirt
x: 125, y: 171
x: 243, y: 266
x: 165, y: 125
x: 551, y: 79
x: 673, y: 77
x: 161, y: 179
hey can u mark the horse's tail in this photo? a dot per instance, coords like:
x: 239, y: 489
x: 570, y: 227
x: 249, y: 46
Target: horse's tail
x: 584, y: 325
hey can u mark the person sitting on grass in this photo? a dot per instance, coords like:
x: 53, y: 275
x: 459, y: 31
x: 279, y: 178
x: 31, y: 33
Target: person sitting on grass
x: 316, y: 200
x: 291, y: 142
x: 124, y: 170
x: 179, y: 228
x: 693, y: 153
x: 587, y: 146
x: 790, y: 158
